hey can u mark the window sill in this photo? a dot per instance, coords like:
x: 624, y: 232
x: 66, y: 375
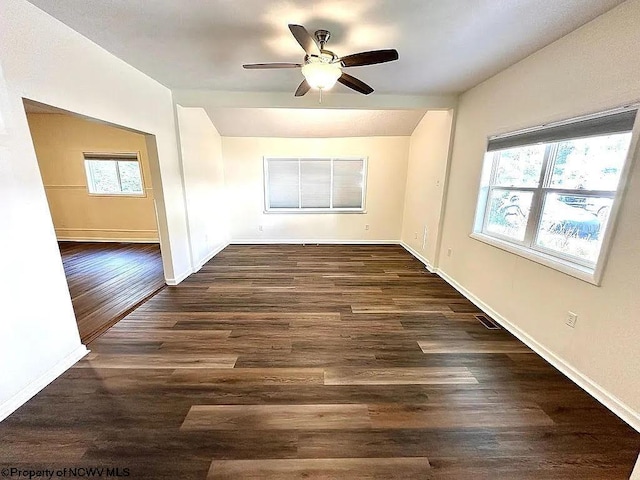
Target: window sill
x: 577, y: 271
x: 312, y: 210
x: 119, y: 195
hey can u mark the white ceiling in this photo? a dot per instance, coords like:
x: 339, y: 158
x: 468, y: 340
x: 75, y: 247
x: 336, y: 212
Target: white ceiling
x: 446, y: 46
x: 197, y: 48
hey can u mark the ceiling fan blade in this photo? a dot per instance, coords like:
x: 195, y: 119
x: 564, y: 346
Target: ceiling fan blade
x: 305, y: 40
x: 369, y: 58
x: 355, y: 84
x: 256, y: 66
x: 303, y: 88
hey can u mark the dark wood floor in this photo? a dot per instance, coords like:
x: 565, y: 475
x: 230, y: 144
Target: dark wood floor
x: 106, y: 280
x: 345, y: 362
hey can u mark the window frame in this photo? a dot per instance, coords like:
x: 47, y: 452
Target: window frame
x: 113, y: 157
x: 300, y: 208
x: 590, y: 272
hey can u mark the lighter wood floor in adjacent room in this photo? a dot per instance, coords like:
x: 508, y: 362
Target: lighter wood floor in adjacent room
x: 106, y: 280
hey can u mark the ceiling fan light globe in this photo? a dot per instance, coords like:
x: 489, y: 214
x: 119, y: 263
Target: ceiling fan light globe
x: 321, y: 75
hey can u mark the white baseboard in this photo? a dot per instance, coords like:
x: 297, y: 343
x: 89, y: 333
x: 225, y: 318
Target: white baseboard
x: 179, y: 278
x: 609, y: 400
x: 209, y: 256
x: 310, y: 241
x: 418, y: 256
x: 106, y: 240
x: 635, y: 475
x: 24, y: 395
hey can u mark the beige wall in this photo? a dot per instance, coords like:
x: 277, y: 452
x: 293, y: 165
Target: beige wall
x: 203, y: 172
x: 426, y: 180
x: 60, y: 142
x: 387, y: 169
x: 591, y: 69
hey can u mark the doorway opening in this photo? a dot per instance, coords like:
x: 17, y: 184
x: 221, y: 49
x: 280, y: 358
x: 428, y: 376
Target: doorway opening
x: 98, y: 182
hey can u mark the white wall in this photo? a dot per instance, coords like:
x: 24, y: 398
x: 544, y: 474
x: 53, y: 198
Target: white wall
x: 387, y: 169
x: 203, y: 173
x: 426, y: 175
x: 591, y: 69
x: 46, y: 61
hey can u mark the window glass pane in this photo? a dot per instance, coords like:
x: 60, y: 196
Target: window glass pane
x: 574, y: 228
x: 315, y: 178
x: 509, y: 212
x: 348, y: 182
x: 130, y: 179
x: 283, y: 183
x: 520, y: 167
x: 103, y: 177
x: 591, y: 163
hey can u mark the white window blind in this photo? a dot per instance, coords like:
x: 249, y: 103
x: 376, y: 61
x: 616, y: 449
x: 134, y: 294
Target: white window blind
x: 284, y: 184
x: 315, y: 184
x: 348, y: 177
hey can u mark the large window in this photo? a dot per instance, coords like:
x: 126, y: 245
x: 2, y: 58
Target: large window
x: 548, y: 193
x: 314, y: 184
x: 110, y: 174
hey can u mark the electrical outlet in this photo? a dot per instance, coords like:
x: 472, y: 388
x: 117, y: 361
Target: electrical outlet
x: 437, y: 183
x: 366, y: 227
x: 449, y: 252
x: 571, y: 320
x: 260, y: 227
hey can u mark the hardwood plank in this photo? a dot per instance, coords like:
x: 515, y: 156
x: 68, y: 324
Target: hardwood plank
x: 476, y: 346
x: 321, y: 468
x: 454, y: 416
x: 154, y: 360
x: 250, y: 376
x: 399, y: 376
x: 277, y: 417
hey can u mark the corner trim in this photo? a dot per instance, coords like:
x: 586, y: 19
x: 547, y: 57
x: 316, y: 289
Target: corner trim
x: 209, y: 256
x: 419, y: 257
x: 607, y: 399
x: 176, y: 280
x: 24, y: 395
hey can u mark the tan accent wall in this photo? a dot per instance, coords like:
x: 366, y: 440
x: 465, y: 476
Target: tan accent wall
x: 60, y: 142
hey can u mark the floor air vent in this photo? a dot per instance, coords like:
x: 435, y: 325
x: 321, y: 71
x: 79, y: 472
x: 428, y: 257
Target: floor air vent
x: 487, y: 322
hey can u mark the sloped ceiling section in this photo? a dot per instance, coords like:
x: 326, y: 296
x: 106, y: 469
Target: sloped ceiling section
x: 313, y: 123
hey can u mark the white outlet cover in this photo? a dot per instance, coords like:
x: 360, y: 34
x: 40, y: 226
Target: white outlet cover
x: 572, y: 318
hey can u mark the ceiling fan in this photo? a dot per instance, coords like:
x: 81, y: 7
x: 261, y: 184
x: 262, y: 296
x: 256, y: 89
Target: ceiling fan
x: 322, y: 68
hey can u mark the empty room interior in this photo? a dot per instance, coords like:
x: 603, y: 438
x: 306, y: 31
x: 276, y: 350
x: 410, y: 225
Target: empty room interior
x: 349, y: 239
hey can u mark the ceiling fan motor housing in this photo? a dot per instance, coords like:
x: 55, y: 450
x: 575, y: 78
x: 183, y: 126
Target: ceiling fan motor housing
x: 322, y: 36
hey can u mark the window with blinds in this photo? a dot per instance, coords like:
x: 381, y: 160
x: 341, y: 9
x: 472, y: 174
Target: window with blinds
x: 550, y: 193
x: 314, y: 184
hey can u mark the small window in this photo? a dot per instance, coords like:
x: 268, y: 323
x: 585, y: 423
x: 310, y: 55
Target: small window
x: 314, y: 184
x: 548, y: 193
x: 113, y: 174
